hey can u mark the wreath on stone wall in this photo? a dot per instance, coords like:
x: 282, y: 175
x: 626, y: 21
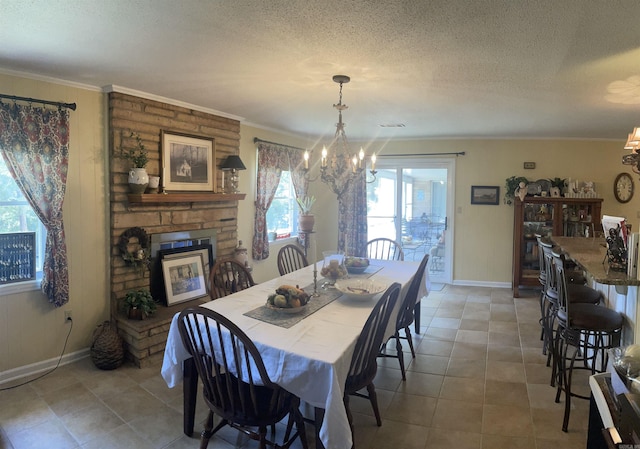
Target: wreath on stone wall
x: 134, y: 247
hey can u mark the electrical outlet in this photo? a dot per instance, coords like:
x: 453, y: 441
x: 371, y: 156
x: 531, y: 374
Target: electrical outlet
x: 67, y: 316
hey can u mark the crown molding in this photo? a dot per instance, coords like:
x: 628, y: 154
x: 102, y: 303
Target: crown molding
x: 125, y: 90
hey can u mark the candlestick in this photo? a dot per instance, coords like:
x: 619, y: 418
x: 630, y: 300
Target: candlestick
x: 315, y: 283
x: 315, y: 255
x: 315, y: 268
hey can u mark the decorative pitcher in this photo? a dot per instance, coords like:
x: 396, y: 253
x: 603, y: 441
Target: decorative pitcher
x: 138, y: 180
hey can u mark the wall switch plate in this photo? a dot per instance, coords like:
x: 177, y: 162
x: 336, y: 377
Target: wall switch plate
x: 529, y: 165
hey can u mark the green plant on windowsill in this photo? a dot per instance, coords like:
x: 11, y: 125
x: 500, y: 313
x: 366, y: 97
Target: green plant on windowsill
x: 138, y: 154
x: 139, y: 304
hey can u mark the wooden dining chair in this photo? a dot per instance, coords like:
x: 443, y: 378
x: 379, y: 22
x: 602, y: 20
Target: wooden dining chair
x: 408, y: 307
x: 291, y: 258
x: 363, y: 366
x: 236, y: 385
x: 384, y: 249
x: 227, y: 277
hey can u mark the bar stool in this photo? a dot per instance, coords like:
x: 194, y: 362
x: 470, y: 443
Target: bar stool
x: 578, y: 293
x: 588, y: 329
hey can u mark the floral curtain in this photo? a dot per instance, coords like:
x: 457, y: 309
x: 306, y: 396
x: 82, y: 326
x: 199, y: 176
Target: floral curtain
x: 34, y: 145
x: 352, y: 217
x: 272, y: 160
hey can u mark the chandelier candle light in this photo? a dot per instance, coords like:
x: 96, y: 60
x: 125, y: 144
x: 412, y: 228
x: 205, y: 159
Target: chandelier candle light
x: 339, y: 168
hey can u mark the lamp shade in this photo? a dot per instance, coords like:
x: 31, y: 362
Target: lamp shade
x: 233, y: 162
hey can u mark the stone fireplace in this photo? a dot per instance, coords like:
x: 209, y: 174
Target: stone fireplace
x: 165, y: 220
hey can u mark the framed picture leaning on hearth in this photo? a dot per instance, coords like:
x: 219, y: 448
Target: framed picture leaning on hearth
x: 188, y: 162
x: 184, y: 278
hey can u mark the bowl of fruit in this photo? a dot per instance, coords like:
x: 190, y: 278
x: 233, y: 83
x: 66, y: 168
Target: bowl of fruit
x: 360, y: 289
x: 288, y: 299
x: 356, y: 265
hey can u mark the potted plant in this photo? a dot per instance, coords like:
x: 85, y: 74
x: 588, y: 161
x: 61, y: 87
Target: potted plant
x: 139, y: 304
x: 511, y: 185
x: 138, y: 176
x: 306, y: 220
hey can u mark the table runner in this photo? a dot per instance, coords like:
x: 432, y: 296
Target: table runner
x: 325, y: 297
x: 276, y: 318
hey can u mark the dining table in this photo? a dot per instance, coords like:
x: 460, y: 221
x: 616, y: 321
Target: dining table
x: 307, y: 353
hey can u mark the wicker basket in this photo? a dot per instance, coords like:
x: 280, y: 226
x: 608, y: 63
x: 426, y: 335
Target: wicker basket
x: 107, y: 351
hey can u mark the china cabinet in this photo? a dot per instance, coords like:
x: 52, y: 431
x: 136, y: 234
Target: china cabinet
x: 569, y: 217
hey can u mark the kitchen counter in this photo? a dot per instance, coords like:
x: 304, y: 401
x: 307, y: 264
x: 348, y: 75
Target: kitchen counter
x: 621, y: 292
x: 589, y: 254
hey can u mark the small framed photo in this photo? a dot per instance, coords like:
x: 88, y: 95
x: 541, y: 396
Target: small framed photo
x: 188, y: 162
x: 489, y: 195
x: 184, y: 278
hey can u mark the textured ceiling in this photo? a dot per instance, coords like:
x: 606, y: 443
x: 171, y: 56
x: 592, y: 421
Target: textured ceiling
x: 451, y: 68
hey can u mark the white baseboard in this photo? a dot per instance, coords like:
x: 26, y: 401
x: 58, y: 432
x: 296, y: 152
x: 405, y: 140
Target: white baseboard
x: 24, y: 372
x: 482, y: 284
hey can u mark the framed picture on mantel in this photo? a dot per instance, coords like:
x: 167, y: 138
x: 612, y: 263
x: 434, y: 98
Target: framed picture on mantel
x: 188, y: 162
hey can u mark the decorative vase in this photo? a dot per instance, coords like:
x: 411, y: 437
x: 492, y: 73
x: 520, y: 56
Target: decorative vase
x: 154, y: 184
x: 107, y: 351
x: 521, y: 191
x: 138, y: 180
x: 306, y: 222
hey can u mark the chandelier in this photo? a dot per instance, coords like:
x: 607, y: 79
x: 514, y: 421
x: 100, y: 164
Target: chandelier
x: 633, y: 144
x: 338, y: 165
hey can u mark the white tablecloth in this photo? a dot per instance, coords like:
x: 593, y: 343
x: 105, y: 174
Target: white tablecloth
x: 311, y: 359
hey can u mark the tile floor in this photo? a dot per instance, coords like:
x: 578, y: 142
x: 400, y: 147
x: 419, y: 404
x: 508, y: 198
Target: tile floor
x: 478, y: 381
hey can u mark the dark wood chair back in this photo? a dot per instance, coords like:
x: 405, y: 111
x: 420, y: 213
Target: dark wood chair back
x: 291, y: 258
x: 407, y: 308
x: 384, y: 249
x: 363, y: 363
x: 227, y: 277
x: 236, y: 385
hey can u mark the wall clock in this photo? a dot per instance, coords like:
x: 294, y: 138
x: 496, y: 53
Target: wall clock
x: 623, y: 187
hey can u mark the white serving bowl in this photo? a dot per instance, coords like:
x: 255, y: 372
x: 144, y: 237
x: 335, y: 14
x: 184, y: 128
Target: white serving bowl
x: 360, y: 289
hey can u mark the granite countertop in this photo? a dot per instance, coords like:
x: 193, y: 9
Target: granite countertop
x: 589, y: 254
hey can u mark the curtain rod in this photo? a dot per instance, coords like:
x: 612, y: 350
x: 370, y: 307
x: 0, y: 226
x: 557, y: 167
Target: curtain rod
x: 256, y: 140
x: 71, y: 106
x: 459, y: 153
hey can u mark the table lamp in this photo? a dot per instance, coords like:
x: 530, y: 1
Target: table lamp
x: 232, y: 163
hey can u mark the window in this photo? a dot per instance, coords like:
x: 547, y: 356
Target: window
x: 16, y: 215
x: 282, y: 216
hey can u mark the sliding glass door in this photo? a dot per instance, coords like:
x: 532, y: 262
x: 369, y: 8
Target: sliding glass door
x: 411, y: 202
